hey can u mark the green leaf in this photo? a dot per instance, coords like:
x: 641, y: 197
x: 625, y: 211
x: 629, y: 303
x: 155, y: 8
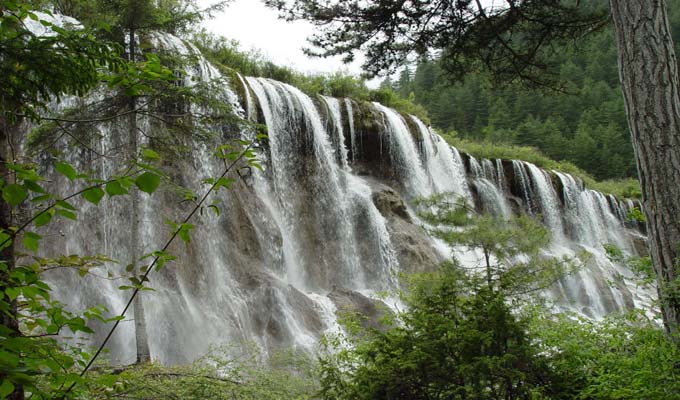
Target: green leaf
x: 114, y: 188
x: 184, y: 231
x: 6, y: 388
x: 44, y: 217
x: 42, y: 198
x: 224, y: 182
x: 5, y: 239
x: 12, y: 293
x: 215, y: 209
x: 34, y: 187
x: 67, y: 214
x: 93, y: 195
x: 148, y: 182
x: 149, y: 155
x: 66, y: 169
x: 31, y: 241
x: 14, y: 194
x: 65, y: 205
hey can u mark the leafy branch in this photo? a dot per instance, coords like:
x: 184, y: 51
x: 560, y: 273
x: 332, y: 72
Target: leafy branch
x: 181, y: 230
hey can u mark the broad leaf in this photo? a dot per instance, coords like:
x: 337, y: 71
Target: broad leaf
x: 114, y: 188
x: 148, y: 182
x: 44, y: 217
x: 93, y: 195
x: 14, y: 194
x: 31, y: 241
x: 66, y: 169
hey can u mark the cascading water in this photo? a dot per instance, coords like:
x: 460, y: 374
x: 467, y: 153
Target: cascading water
x: 524, y: 184
x: 485, y: 180
x: 318, y: 224
x: 354, y: 142
x: 404, y: 155
x: 445, y: 171
x: 547, y: 198
x: 338, y: 132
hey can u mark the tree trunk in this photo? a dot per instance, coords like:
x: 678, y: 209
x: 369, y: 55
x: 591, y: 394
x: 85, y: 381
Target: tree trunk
x: 141, y: 338
x: 649, y: 78
x: 7, y: 254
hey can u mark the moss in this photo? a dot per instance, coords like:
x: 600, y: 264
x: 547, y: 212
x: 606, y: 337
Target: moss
x: 366, y: 118
x: 412, y: 127
x: 622, y: 188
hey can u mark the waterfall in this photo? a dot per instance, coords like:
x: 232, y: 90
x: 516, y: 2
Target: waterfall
x: 251, y: 111
x: 446, y: 172
x: 404, y: 155
x: 489, y: 189
x: 338, y: 132
x: 547, y: 198
x: 524, y: 185
x: 352, y: 132
x: 318, y: 221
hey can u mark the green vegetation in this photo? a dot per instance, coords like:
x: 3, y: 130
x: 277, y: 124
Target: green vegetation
x: 460, y: 339
x: 226, y: 55
x: 621, y: 357
x: 621, y: 188
x: 452, y: 343
x: 218, y: 375
x: 583, y: 123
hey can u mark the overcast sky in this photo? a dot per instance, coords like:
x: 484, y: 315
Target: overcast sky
x: 257, y: 27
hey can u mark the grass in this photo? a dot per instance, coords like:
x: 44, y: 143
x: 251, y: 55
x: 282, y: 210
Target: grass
x: 621, y: 188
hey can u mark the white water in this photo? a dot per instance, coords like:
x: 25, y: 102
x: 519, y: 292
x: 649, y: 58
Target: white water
x: 404, y: 155
x: 490, y: 192
x: 547, y: 198
x: 446, y: 172
x: 338, y: 132
x: 307, y: 225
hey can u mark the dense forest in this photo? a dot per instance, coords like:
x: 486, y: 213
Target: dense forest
x: 459, y: 336
x: 581, y: 120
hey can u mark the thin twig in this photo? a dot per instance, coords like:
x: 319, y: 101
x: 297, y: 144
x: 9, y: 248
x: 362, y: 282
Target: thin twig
x: 12, y: 235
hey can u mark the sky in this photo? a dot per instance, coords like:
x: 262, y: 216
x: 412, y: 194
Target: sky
x: 255, y: 26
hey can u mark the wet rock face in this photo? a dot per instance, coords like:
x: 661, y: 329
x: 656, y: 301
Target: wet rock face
x: 371, y: 312
x: 414, y: 248
x: 274, y: 301
x: 415, y: 251
x: 370, y: 154
x: 640, y: 244
x: 389, y: 203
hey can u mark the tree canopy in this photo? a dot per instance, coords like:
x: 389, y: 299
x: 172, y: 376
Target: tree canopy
x: 511, y: 40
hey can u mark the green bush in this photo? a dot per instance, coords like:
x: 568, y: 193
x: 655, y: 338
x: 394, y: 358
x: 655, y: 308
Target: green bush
x: 452, y: 343
x: 626, y: 357
x: 218, y: 375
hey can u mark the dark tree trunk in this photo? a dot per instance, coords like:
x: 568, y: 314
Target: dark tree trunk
x: 649, y: 78
x: 7, y: 255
